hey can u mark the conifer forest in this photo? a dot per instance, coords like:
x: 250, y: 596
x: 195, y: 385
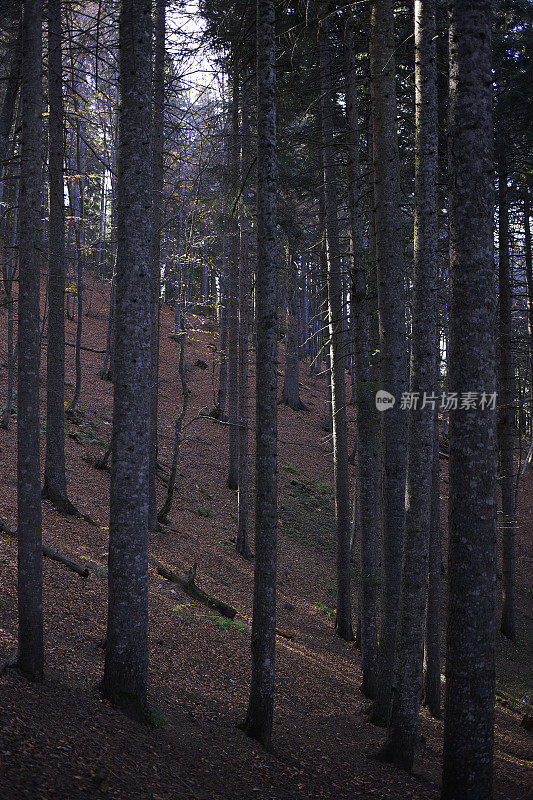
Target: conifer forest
x: 266, y: 400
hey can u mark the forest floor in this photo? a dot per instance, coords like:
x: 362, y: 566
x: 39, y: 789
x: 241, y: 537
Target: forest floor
x: 61, y: 740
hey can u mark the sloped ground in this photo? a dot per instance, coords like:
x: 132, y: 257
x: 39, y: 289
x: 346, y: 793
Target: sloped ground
x: 60, y: 740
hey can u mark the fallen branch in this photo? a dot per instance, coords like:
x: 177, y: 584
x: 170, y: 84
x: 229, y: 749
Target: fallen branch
x: 190, y: 588
x: 49, y: 552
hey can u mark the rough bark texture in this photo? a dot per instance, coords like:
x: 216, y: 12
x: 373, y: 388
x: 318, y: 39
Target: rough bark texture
x: 343, y: 619
x: 10, y: 97
x: 55, y: 483
x: 233, y: 299
x: 402, y: 733
x: 259, y: 716
x: 432, y: 691
x: 529, y: 284
x: 243, y: 548
x: 291, y: 386
x: 391, y: 298
x: 126, y: 663
x: 30, y: 605
x: 157, y: 217
x: 469, y: 705
x: 506, y: 410
x: 367, y: 422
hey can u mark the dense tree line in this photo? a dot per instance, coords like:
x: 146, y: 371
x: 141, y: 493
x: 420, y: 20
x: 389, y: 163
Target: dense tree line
x: 352, y: 183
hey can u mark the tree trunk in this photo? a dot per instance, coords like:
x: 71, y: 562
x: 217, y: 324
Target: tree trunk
x: 157, y: 218
x: 400, y: 744
x: 469, y: 705
x: 30, y: 658
x: 126, y: 662
x: 233, y: 299
x: 291, y: 388
x: 55, y: 483
x: 529, y: 285
x: 506, y: 420
x: 391, y: 298
x: 343, y: 619
x: 367, y: 423
x: 259, y: 716
x: 432, y: 645
x: 243, y: 547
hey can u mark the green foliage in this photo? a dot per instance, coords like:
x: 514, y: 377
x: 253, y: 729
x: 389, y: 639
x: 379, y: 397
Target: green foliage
x: 156, y: 718
x: 236, y: 624
x: 326, y: 610
x: 290, y: 468
x: 98, y: 569
x: 203, y: 512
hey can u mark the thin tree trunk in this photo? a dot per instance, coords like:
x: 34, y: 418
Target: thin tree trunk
x: 506, y: 421
x: 126, y: 663
x: 291, y: 387
x: 243, y: 547
x: 432, y: 691
x: 367, y: 423
x: 30, y: 658
x: 55, y: 482
x: 259, y: 716
x: 469, y: 705
x: 529, y: 285
x: 343, y: 618
x: 391, y: 298
x: 9, y: 267
x: 233, y: 304
x: 401, y: 738
x: 157, y: 218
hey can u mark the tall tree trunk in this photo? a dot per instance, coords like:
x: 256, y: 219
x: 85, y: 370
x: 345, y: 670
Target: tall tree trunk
x: 55, y: 483
x: 157, y: 218
x: 7, y: 114
x: 30, y: 658
x: 367, y: 423
x: 220, y: 407
x: 432, y: 690
x: 77, y: 205
x: 469, y: 704
x: 401, y: 738
x: 233, y: 298
x: 529, y: 285
x: 343, y: 619
x: 243, y: 547
x: 506, y: 420
x: 126, y: 662
x: 9, y: 267
x: 391, y: 298
x: 291, y: 388
x: 259, y: 716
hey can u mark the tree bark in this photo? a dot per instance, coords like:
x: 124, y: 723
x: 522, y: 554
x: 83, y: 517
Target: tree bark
x: 291, y: 387
x: 30, y: 658
x: 469, y: 704
x: 157, y: 218
x: 259, y: 716
x: 506, y: 415
x: 367, y: 422
x: 401, y: 738
x: 233, y: 298
x: 391, y: 299
x: 343, y: 618
x: 243, y: 547
x: 126, y: 664
x: 55, y: 482
x: 432, y: 691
